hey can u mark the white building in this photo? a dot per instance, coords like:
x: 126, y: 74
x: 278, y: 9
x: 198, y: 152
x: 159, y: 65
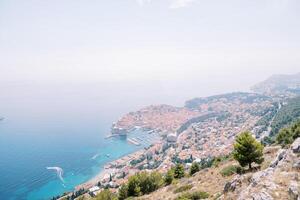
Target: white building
x: 94, y: 189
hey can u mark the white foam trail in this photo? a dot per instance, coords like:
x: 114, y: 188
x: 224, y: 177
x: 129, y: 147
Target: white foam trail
x: 59, y: 172
x: 95, y: 156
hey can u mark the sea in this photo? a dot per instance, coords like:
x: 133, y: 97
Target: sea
x: 53, y: 135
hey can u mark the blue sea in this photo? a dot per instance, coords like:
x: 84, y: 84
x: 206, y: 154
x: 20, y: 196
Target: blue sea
x: 60, y: 125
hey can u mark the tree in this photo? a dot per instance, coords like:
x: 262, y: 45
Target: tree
x: 134, y: 188
x: 296, y: 130
x: 179, y: 171
x: 194, y: 168
x: 247, y: 150
x: 140, y: 184
x: 284, y: 137
x: 123, y: 192
x: 169, y: 177
x: 155, y: 181
x: 105, y: 195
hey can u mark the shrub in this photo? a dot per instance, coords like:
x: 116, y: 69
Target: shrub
x: 232, y: 169
x: 267, y: 140
x: 141, y: 183
x: 247, y: 150
x: 284, y: 137
x: 193, y: 195
x: 150, y: 182
x: 179, y: 171
x: 183, y: 188
x: 217, y: 160
x: 168, y: 179
x: 194, y: 168
x: 123, y: 192
x: 105, y: 195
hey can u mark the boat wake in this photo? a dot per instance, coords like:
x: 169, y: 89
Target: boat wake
x: 95, y: 156
x: 59, y: 172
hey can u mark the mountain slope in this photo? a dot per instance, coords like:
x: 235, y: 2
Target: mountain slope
x: 279, y: 84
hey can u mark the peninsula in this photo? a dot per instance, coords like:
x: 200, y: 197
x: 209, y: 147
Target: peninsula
x: 200, y: 131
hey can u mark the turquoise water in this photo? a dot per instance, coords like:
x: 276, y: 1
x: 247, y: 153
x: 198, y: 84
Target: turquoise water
x: 27, y: 148
x: 57, y: 127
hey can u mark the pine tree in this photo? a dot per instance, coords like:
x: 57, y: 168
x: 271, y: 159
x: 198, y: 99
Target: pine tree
x: 247, y: 150
x: 169, y: 177
x: 179, y: 171
x: 194, y: 168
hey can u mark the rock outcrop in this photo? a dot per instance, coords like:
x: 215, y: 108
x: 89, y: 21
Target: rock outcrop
x: 280, y: 180
x: 232, y: 185
x: 294, y: 190
x: 262, y: 196
x: 280, y: 155
x: 296, y: 145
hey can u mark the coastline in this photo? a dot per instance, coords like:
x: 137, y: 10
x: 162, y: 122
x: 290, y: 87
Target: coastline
x: 94, y: 180
x: 108, y: 168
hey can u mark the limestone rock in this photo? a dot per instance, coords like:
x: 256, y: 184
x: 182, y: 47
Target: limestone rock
x: 280, y: 155
x: 294, y: 190
x: 296, y: 165
x: 255, y: 179
x: 262, y: 196
x: 232, y: 185
x: 296, y: 145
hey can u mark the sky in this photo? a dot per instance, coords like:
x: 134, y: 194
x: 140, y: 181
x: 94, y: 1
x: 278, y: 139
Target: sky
x: 216, y: 43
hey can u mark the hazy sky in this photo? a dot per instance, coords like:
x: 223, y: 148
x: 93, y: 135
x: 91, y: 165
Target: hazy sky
x: 149, y: 40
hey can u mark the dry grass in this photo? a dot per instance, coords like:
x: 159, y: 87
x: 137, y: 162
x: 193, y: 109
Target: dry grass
x: 207, y: 180
x: 210, y: 180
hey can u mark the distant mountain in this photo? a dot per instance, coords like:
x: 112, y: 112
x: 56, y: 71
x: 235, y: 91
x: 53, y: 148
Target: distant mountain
x: 243, y: 97
x: 279, y: 85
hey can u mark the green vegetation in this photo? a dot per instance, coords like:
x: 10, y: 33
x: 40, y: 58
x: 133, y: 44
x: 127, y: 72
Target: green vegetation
x: 267, y: 140
x: 231, y: 169
x: 286, y: 136
x: 268, y: 115
x: 217, y: 160
x: 140, y: 184
x: 169, y: 177
x: 105, y: 195
x: 194, y: 168
x: 145, y: 183
x: 289, y: 113
x: 123, y: 192
x: 247, y: 150
x: 179, y: 171
x: 193, y: 195
x: 183, y: 188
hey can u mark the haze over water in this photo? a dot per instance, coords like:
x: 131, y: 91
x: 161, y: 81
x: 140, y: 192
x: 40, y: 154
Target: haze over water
x: 64, y: 125
x: 68, y: 69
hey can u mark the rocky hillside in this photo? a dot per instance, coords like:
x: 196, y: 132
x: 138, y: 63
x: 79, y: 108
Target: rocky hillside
x: 278, y: 178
